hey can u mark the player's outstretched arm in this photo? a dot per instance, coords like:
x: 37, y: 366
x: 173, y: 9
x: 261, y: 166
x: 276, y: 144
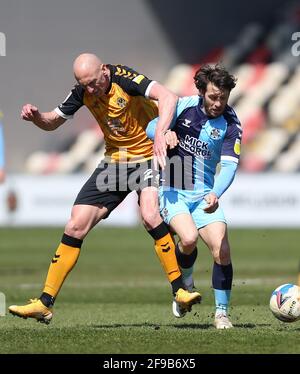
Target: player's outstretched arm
x: 167, y: 102
x: 171, y: 139
x: 47, y: 121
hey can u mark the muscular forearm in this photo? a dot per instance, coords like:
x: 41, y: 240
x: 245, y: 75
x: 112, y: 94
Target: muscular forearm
x: 166, y: 116
x: 167, y: 102
x: 48, y: 121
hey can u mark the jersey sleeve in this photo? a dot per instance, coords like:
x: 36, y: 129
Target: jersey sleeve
x: 186, y: 102
x: 182, y: 104
x: 231, y: 148
x: 225, y: 177
x: 72, y: 103
x: 132, y: 82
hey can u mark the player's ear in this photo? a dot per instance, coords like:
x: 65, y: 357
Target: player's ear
x: 103, y: 69
x: 201, y: 92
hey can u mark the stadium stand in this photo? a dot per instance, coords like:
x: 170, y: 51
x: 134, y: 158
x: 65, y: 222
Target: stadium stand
x: 82, y: 153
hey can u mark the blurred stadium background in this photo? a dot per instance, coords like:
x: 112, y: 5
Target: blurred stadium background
x: 112, y: 298
x: 166, y: 41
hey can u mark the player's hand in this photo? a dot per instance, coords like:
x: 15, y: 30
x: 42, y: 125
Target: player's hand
x: 2, y: 176
x: 212, y: 202
x: 171, y: 139
x: 30, y: 113
x: 159, y: 151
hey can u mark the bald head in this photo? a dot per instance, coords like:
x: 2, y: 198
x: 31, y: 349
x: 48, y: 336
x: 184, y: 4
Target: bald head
x: 86, y: 64
x: 91, y: 73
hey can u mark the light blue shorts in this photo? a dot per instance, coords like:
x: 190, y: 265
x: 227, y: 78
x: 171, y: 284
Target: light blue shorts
x: 174, y: 202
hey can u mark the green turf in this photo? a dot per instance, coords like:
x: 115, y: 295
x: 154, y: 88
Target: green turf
x: 117, y: 299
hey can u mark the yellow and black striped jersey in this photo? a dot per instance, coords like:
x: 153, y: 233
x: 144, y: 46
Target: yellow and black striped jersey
x: 122, y: 113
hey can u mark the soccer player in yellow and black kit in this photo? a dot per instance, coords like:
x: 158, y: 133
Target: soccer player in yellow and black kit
x: 119, y: 99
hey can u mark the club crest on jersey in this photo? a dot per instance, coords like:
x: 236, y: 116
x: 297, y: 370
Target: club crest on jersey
x: 121, y: 102
x: 215, y: 134
x: 165, y: 212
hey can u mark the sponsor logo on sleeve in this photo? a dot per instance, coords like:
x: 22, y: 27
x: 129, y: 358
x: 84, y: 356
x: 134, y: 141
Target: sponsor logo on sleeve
x: 237, y: 147
x: 138, y: 79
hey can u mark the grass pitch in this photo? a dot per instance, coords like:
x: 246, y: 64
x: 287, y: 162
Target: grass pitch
x: 117, y: 299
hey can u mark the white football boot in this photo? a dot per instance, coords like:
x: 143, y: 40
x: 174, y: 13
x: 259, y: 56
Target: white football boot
x: 222, y: 322
x: 177, y: 309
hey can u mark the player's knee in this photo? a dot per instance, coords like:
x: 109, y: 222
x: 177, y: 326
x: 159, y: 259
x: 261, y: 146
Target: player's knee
x: 189, y: 242
x: 151, y: 217
x: 221, y: 254
x: 76, y: 229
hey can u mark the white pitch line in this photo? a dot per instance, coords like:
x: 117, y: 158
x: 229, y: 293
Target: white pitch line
x: 159, y: 283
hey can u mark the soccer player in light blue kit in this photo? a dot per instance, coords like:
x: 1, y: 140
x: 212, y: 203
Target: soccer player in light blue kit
x: 206, y: 131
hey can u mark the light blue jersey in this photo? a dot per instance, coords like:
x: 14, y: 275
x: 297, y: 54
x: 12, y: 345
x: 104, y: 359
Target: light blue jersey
x: 191, y: 165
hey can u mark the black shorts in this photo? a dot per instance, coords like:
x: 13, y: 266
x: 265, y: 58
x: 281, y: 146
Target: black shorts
x: 110, y: 183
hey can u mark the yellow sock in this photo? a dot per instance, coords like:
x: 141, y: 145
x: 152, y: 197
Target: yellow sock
x: 165, y: 250
x: 62, y: 263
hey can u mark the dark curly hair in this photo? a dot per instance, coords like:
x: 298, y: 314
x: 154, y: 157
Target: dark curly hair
x: 215, y: 74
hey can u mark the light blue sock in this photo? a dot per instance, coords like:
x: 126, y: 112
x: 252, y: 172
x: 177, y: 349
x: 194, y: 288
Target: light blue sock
x: 222, y: 298
x: 187, y: 272
x: 187, y: 277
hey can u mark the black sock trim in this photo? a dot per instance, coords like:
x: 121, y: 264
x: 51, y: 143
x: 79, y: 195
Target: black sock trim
x: 176, y: 284
x: 222, y: 276
x: 159, y: 231
x: 70, y: 241
x: 185, y: 261
x: 47, y: 299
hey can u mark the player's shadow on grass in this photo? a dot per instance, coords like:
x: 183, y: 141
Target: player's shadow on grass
x: 153, y: 326
x: 198, y: 326
x: 251, y: 325
x: 204, y: 326
x: 122, y: 325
